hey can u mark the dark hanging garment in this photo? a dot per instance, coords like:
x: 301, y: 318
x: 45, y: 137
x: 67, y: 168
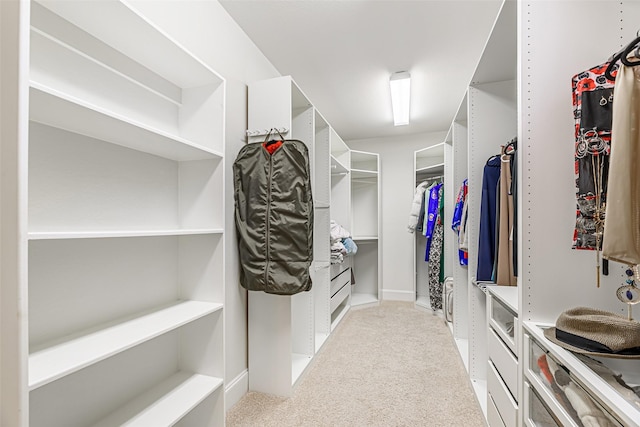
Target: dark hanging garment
x: 274, y: 217
x: 487, y: 239
x: 514, y: 194
x: 592, y: 111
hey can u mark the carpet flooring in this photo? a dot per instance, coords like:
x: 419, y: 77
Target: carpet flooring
x: 389, y: 365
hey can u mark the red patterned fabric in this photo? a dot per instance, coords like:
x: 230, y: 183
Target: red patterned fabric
x: 592, y: 108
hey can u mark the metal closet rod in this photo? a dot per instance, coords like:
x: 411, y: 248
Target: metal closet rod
x: 429, y: 178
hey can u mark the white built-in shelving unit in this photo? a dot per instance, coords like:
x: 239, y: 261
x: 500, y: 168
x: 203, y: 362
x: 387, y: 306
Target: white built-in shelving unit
x: 122, y: 250
x: 456, y: 172
x: 514, y: 93
x: 553, y: 277
x: 321, y: 252
x: 487, y: 118
x: 340, y: 274
x: 281, y: 347
x: 428, y: 166
x: 365, y: 227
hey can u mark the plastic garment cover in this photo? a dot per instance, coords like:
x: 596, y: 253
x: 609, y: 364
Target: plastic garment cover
x: 274, y: 217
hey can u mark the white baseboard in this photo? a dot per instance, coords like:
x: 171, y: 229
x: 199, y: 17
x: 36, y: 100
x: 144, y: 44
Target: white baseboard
x: 237, y: 388
x: 392, y: 295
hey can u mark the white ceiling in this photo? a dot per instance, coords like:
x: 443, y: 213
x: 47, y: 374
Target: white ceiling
x: 342, y: 52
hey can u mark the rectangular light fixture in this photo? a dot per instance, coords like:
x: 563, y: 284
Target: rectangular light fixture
x: 400, y: 84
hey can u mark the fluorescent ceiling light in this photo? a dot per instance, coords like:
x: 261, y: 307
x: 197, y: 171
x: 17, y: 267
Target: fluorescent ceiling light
x: 400, y: 84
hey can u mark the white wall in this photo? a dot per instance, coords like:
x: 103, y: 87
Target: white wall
x: 397, y: 188
x: 207, y: 30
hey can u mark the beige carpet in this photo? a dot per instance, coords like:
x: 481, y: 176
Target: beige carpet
x: 391, y: 365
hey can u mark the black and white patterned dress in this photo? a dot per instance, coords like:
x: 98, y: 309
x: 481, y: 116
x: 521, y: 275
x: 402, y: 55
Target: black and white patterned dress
x: 435, y: 285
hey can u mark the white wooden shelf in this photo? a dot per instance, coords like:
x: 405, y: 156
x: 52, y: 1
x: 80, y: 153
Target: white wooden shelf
x: 361, y: 298
x: 364, y: 174
x: 337, y: 168
x: 507, y: 294
x: 321, y: 338
x: 437, y: 168
x: 480, y: 389
x: 338, y: 315
x: 57, y: 109
x: 60, y: 235
x: 365, y: 239
x: 166, y: 403
x: 299, y: 363
x: 55, y: 361
x: 183, y: 69
x: 423, y: 301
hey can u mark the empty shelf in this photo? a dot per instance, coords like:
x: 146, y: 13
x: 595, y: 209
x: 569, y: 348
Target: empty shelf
x: 54, y: 108
x: 56, y: 361
x: 59, y: 235
x: 164, y: 404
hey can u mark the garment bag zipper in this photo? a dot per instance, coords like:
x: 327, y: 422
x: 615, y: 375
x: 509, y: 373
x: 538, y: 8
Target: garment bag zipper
x: 268, y: 235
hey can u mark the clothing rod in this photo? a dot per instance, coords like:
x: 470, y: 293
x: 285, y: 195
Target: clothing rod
x: 431, y: 178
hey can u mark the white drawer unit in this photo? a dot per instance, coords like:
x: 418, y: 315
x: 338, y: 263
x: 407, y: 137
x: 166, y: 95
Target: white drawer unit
x: 500, y: 395
x: 338, y: 282
x: 340, y: 297
x: 502, y: 310
x: 505, y: 362
x: 562, y: 383
x: 536, y: 413
x: 340, y: 291
x: 493, y: 416
x: 502, y: 375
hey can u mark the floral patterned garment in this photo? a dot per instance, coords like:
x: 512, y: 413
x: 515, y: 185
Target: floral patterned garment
x: 435, y: 285
x: 592, y: 110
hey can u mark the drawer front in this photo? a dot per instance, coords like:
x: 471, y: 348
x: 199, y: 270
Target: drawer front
x: 567, y: 397
x: 536, y: 412
x: 338, y: 282
x: 503, y: 321
x: 497, y: 390
x: 336, y: 269
x: 504, y: 360
x: 340, y: 296
x: 493, y: 416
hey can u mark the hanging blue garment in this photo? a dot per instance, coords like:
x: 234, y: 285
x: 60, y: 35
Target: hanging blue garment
x: 459, y: 220
x: 432, y: 215
x: 487, y: 239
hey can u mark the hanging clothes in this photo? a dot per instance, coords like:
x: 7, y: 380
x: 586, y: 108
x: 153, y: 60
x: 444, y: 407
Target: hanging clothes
x: 487, y: 235
x: 435, y: 267
x: 622, y: 220
x: 435, y: 253
x: 514, y: 196
x: 431, y: 215
x: 504, y: 251
x: 459, y: 223
x: 441, y: 224
x: 417, y: 207
x: 592, y: 109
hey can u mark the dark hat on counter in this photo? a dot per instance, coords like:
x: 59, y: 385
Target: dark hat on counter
x: 597, y: 333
